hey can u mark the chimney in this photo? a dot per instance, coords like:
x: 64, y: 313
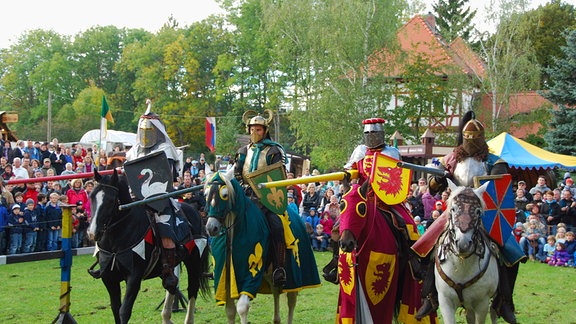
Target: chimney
x: 431, y: 21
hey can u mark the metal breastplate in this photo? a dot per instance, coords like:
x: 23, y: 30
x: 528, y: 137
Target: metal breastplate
x: 466, y: 170
x: 250, y: 155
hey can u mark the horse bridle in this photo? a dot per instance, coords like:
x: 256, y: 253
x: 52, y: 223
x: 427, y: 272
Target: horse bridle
x: 110, y: 224
x: 225, y: 229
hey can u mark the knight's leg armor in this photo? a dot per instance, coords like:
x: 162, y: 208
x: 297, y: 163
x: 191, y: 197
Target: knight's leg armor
x: 503, y: 303
x: 279, y: 249
x: 429, y: 292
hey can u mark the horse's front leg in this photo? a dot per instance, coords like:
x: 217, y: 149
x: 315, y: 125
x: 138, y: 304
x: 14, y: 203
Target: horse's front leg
x: 190, y: 311
x: 447, y: 308
x: 230, y: 310
x: 132, y: 289
x: 276, y: 294
x: 348, y: 242
x: 115, y: 294
x: 167, y: 309
x: 242, y: 307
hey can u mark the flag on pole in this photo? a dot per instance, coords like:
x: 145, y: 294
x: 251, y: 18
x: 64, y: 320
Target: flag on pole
x: 106, y: 117
x: 211, y: 133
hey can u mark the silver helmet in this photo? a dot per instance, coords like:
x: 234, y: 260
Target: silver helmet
x: 251, y: 118
x: 374, y: 136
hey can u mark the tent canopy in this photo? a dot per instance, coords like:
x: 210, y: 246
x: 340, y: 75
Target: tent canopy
x: 112, y: 136
x: 523, y: 155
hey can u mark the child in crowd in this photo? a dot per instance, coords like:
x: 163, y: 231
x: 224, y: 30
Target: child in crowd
x: 312, y: 218
x: 549, y: 248
x: 31, y: 227
x: 561, y: 235
x: 16, y: 224
x: 54, y: 221
x: 421, y: 228
x: 560, y: 257
x: 570, y: 247
x: 518, y: 231
x: 42, y: 236
x: 320, y: 239
x: 327, y: 222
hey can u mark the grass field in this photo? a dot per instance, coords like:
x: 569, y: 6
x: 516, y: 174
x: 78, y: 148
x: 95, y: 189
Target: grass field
x: 30, y: 294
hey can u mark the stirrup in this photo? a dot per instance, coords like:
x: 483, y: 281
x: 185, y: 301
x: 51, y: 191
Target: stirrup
x: 279, y: 277
x: 96, y: 274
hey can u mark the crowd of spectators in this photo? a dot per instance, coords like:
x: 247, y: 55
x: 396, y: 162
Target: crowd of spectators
x: 31, y: 213
x: 544, y: 224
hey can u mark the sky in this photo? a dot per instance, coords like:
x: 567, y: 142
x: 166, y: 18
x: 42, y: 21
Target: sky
x: 69, y: 17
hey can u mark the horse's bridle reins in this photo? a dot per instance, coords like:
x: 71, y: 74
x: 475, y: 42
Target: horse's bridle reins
x: 477, y: 242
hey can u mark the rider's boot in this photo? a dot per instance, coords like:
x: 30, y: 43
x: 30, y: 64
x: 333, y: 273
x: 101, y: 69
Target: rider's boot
x: 279, y: 273
x: 502, y: 303
x: 169, y: 280
x: 430, y: 302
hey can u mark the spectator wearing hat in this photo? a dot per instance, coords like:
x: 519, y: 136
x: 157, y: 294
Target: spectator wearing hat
x: 292, y: 203
x: 419, y: 225
x: 77, y: 193
x: 16, y: 225
x: 7, y: 174
x: 568, y: 184
x: 527, y: 194
x: 312, y: 217
x: 31, y: 227
x: 47, y: 165
x: 202, y: 164
x: 194, y: 169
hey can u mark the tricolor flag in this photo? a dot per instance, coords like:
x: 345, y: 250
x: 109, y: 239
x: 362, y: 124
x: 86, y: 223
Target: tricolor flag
x: 106, y: 116
x: 211, y: 133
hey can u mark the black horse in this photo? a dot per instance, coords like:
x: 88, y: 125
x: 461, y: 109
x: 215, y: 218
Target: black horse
x: 127, y: 251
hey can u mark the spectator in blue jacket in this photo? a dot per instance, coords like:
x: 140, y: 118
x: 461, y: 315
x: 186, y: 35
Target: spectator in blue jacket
x: 42, y: 238
x: 16, y: 223
x: 31, y: 227
x: 3, y: 226
x: 54, y: 221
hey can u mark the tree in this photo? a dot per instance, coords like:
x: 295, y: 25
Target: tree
x: 544, y: 26
x: 453, y: 20
x: 322, y: 49
x: 562, y: 128
x: 510, y: 61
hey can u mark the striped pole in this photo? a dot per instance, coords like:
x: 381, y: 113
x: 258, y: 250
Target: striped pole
x: 66, y: 266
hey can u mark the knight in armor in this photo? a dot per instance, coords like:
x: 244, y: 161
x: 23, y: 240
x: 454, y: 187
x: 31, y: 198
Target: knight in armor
x: 466, y: 161
x: 259, y: 153
x: 151, y: 138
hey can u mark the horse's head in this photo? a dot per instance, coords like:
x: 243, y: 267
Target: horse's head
x: 105, y: 199
x: 220, y: 196
x: 465, y: 208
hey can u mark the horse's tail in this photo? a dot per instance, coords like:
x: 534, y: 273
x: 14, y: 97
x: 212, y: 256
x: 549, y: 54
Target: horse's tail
x: 205, y: 290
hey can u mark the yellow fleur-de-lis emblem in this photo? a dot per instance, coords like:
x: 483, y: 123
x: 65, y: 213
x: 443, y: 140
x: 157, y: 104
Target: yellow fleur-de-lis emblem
x: 255, y: 260
x: 275, y: 197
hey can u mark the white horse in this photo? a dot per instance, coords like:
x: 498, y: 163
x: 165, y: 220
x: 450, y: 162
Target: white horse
x: 466, y: 270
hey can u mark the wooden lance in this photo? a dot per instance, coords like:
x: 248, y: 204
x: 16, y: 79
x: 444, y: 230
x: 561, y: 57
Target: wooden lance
x: 353, y: 174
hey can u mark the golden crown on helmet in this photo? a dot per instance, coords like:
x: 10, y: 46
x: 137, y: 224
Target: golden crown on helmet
x: 252, y: 118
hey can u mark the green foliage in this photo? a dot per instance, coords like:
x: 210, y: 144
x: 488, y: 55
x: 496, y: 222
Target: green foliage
x: 453, y: 20
x: 562, y: 131
x: 543, y: 26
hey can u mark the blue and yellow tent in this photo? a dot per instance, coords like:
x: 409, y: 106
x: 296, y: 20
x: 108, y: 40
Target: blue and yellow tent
x: 525, y: 156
